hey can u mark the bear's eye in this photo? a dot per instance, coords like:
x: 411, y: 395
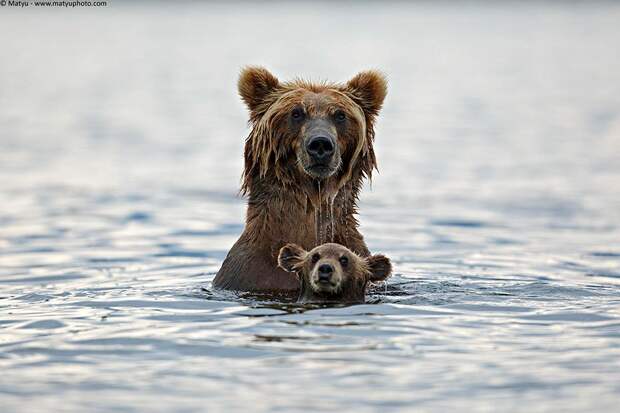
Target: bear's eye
x: 344, y: 261
x: 340, y: 116
x: 315, y: 257
x: 297, y: 114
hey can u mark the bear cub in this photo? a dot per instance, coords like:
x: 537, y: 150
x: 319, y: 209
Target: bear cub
x: 331, y: 273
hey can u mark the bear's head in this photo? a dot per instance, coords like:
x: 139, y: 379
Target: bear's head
x: 310, y: 131
x: 333, y: 273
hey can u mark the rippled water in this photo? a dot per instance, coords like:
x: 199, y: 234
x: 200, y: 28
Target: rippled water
x: 498, y: 200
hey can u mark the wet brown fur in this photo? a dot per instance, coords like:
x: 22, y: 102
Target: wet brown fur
x: 284, y: 202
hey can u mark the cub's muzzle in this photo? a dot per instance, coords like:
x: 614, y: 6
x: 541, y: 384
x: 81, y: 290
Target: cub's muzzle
x: 325, y: 273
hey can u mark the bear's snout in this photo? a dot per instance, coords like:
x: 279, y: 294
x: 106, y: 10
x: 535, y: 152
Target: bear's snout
x: 326, y: 277
x: 320, y: 153
x: 321, y: 149
x: 325, y: 273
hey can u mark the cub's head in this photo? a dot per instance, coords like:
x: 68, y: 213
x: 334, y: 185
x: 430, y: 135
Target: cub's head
x: 333, y: 273
x: 304, y: 130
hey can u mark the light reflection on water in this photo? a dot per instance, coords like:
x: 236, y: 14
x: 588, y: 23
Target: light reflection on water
x: 498, y: 200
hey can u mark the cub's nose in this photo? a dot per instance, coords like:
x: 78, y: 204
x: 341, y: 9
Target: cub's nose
x: 320, y: 148
x: 325, y: 272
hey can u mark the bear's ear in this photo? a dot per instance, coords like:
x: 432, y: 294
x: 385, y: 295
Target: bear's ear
x: 368, y: 90
x: 255, y: 83
x: 380, y: 267
x: 291, y: 257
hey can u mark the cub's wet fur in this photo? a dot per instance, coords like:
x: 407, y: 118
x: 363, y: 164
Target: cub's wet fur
x: 331, y: 273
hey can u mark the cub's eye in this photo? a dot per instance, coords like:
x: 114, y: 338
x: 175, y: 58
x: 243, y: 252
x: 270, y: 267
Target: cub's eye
x: 340, y: 116
x: 315, y: 257
x: 297, y: 114
x: 344, y: 261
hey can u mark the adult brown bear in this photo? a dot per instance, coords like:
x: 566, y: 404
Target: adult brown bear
x: 310, y: 147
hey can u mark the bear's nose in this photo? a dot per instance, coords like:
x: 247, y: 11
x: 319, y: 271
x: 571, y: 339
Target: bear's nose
x: 325, y: 272
x: 320, y: 148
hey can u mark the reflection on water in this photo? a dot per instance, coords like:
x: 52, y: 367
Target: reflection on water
x: 498, y: 201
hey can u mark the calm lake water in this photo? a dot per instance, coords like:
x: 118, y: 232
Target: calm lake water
x: 498, y: 200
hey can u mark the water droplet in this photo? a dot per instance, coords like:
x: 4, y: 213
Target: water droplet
x: 319, y: 221
x: 331, y: 216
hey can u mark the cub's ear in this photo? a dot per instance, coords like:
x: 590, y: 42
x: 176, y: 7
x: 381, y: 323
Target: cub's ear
x: 291, y: 257
x: 380, y: 267
x: 255, y: 83
x: 368, y: 90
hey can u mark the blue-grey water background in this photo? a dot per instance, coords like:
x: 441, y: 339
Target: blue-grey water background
x: 498, y: 200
